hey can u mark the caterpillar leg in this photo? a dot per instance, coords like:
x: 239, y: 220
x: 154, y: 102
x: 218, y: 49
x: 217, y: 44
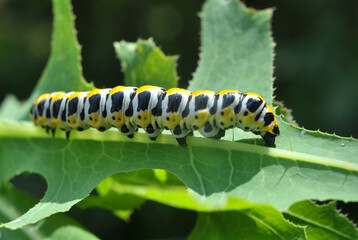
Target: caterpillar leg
x: 182, y: 141
x: 179, y: 132
x: 220, y: 134
x: 152, y: 132
x: 209, y: 131
x: 180, y: 135
x: 68, y: 135
x: 128, y: 131
x: 269, y: 139
x: 80, y: 129
x: 102, y: 128
x: 53, y: 131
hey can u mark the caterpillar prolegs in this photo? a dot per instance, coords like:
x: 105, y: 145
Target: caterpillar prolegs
x: 154, y: 109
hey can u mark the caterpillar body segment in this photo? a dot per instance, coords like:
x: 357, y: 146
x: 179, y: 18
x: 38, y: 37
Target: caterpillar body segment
x: 154, y: 109
x: 143, y: 102
x: 75, y: 114
x: 95, y: 109
x: 118, y: 103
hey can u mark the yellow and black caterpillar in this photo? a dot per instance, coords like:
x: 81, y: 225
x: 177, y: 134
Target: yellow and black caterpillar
x: 154, y: 109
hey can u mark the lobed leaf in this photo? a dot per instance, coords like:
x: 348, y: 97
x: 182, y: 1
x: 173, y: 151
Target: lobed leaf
x: 237, y: 49
x: 63, y: 71
x: 13, y: 203
x: 143, y: 63
x: 323, y: 222
x: 224, y: 175
x: 283, y: 112
x: 262, y: 222
x: 213, y: 168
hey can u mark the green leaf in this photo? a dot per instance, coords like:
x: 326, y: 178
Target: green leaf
x: 323, y: 222
x: 144, y: 63
x: 169, y: 193
x: 237, y: 53
x: 223, y: 175
x: 14, y: 202
x: 315, y: 143
x: 63, y: 70
x: 152, y: 177
x: 12, y: 109
x: 123, y: 214
x: 72, y: 233
x: 110, y: 200
x: 259, y: 223
x: 113, y: 196
x: 285, y: 113
x: 237, y: 50
x: 244, y: 171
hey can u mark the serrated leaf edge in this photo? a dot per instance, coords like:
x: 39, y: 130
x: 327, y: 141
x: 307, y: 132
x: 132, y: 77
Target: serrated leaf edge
x: 288, y: 212
x: 317, y: 131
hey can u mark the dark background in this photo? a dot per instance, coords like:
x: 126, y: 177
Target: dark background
x: 316, y: 70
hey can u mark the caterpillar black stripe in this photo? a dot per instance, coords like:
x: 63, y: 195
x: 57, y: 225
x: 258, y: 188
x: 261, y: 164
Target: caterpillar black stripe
x: 154, y: 109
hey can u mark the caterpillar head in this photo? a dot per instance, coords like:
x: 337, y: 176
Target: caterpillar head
x: 269, y: 137
x: 268, y: 129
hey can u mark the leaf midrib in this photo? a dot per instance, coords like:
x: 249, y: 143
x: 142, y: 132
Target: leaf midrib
x: 272, y: 229
x: 27, y: 130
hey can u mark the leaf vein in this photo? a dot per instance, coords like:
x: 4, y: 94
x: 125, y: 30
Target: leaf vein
x: 314, y: 223
x: 192, y: 163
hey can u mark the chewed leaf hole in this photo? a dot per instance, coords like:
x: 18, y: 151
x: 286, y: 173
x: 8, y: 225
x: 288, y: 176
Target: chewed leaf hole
x: 31, y: 183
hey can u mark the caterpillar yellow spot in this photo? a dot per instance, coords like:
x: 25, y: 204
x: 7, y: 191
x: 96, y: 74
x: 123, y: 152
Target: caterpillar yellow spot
x: 172, y: 121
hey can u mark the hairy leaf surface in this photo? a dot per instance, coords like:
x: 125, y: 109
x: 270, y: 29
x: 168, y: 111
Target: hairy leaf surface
x: 323, y: 222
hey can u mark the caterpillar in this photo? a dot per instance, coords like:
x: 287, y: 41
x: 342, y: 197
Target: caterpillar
x: 154, y: 109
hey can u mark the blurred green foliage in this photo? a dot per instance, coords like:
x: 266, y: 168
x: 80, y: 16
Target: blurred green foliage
x: 316, y: 54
